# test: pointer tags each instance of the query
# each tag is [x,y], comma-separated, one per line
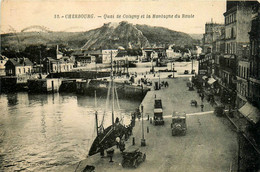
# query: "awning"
[211,81]
[204,77]
[229,56]
[250,112]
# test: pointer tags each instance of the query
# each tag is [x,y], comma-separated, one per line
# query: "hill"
[110,35]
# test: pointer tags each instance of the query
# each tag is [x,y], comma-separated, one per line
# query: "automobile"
[132,157]
[158,117]
[178,125]
[186,72]
[157,103]
[193,103]
[219,110]
[89,168]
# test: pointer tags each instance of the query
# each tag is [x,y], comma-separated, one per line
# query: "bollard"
[133,140]
[148,118]
[147,129]
[102,153]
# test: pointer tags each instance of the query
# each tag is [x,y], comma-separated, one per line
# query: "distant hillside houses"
[172,53]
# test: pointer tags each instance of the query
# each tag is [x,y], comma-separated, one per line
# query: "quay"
[209,144]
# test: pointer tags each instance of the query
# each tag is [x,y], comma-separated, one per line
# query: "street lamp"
[143,139]
[159,80]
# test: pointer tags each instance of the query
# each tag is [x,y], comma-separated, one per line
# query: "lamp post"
[172,70]
[159,80]
[143,139]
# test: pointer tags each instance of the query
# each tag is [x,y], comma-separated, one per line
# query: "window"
[19,70]
[253,48]
[28,70]
[244,75]
[232,33]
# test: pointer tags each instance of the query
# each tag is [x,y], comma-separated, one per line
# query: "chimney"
[58,54]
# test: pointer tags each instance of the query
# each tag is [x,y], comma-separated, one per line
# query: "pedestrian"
[202,96]
[117,141]
[202,106]
[102,153]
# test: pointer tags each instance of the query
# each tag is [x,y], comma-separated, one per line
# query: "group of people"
[165,84]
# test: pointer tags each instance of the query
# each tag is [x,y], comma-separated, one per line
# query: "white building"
[106,55]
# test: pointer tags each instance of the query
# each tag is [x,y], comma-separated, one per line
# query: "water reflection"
[46,131]
[12,99]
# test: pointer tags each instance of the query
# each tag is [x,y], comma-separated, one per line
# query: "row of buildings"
[231,53]
[231,61]
[83,58]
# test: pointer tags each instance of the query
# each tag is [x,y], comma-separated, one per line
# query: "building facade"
[3,60]
[254,74]
[108,54]
[237,25]
[18,67]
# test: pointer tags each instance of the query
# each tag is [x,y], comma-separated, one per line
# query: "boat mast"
[96,114]
[113,91]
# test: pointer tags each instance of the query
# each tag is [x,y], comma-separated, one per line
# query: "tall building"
[254,76]
[237,25]
[212,33]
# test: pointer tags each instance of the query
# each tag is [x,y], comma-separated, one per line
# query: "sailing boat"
[106,137]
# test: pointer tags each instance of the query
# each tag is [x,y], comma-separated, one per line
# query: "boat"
[108,137]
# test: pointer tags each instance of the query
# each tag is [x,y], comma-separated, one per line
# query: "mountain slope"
[113,35]
[160,35]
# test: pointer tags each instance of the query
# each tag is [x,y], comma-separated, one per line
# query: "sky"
[19,14]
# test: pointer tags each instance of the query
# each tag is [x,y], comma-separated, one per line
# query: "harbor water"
[40,132]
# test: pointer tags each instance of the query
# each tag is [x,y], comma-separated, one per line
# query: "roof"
[211,81]
[63,59]
[20,62]
[179,115]
[158,110]
[250,112]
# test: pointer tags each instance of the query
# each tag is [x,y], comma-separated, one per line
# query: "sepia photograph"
[133,85]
